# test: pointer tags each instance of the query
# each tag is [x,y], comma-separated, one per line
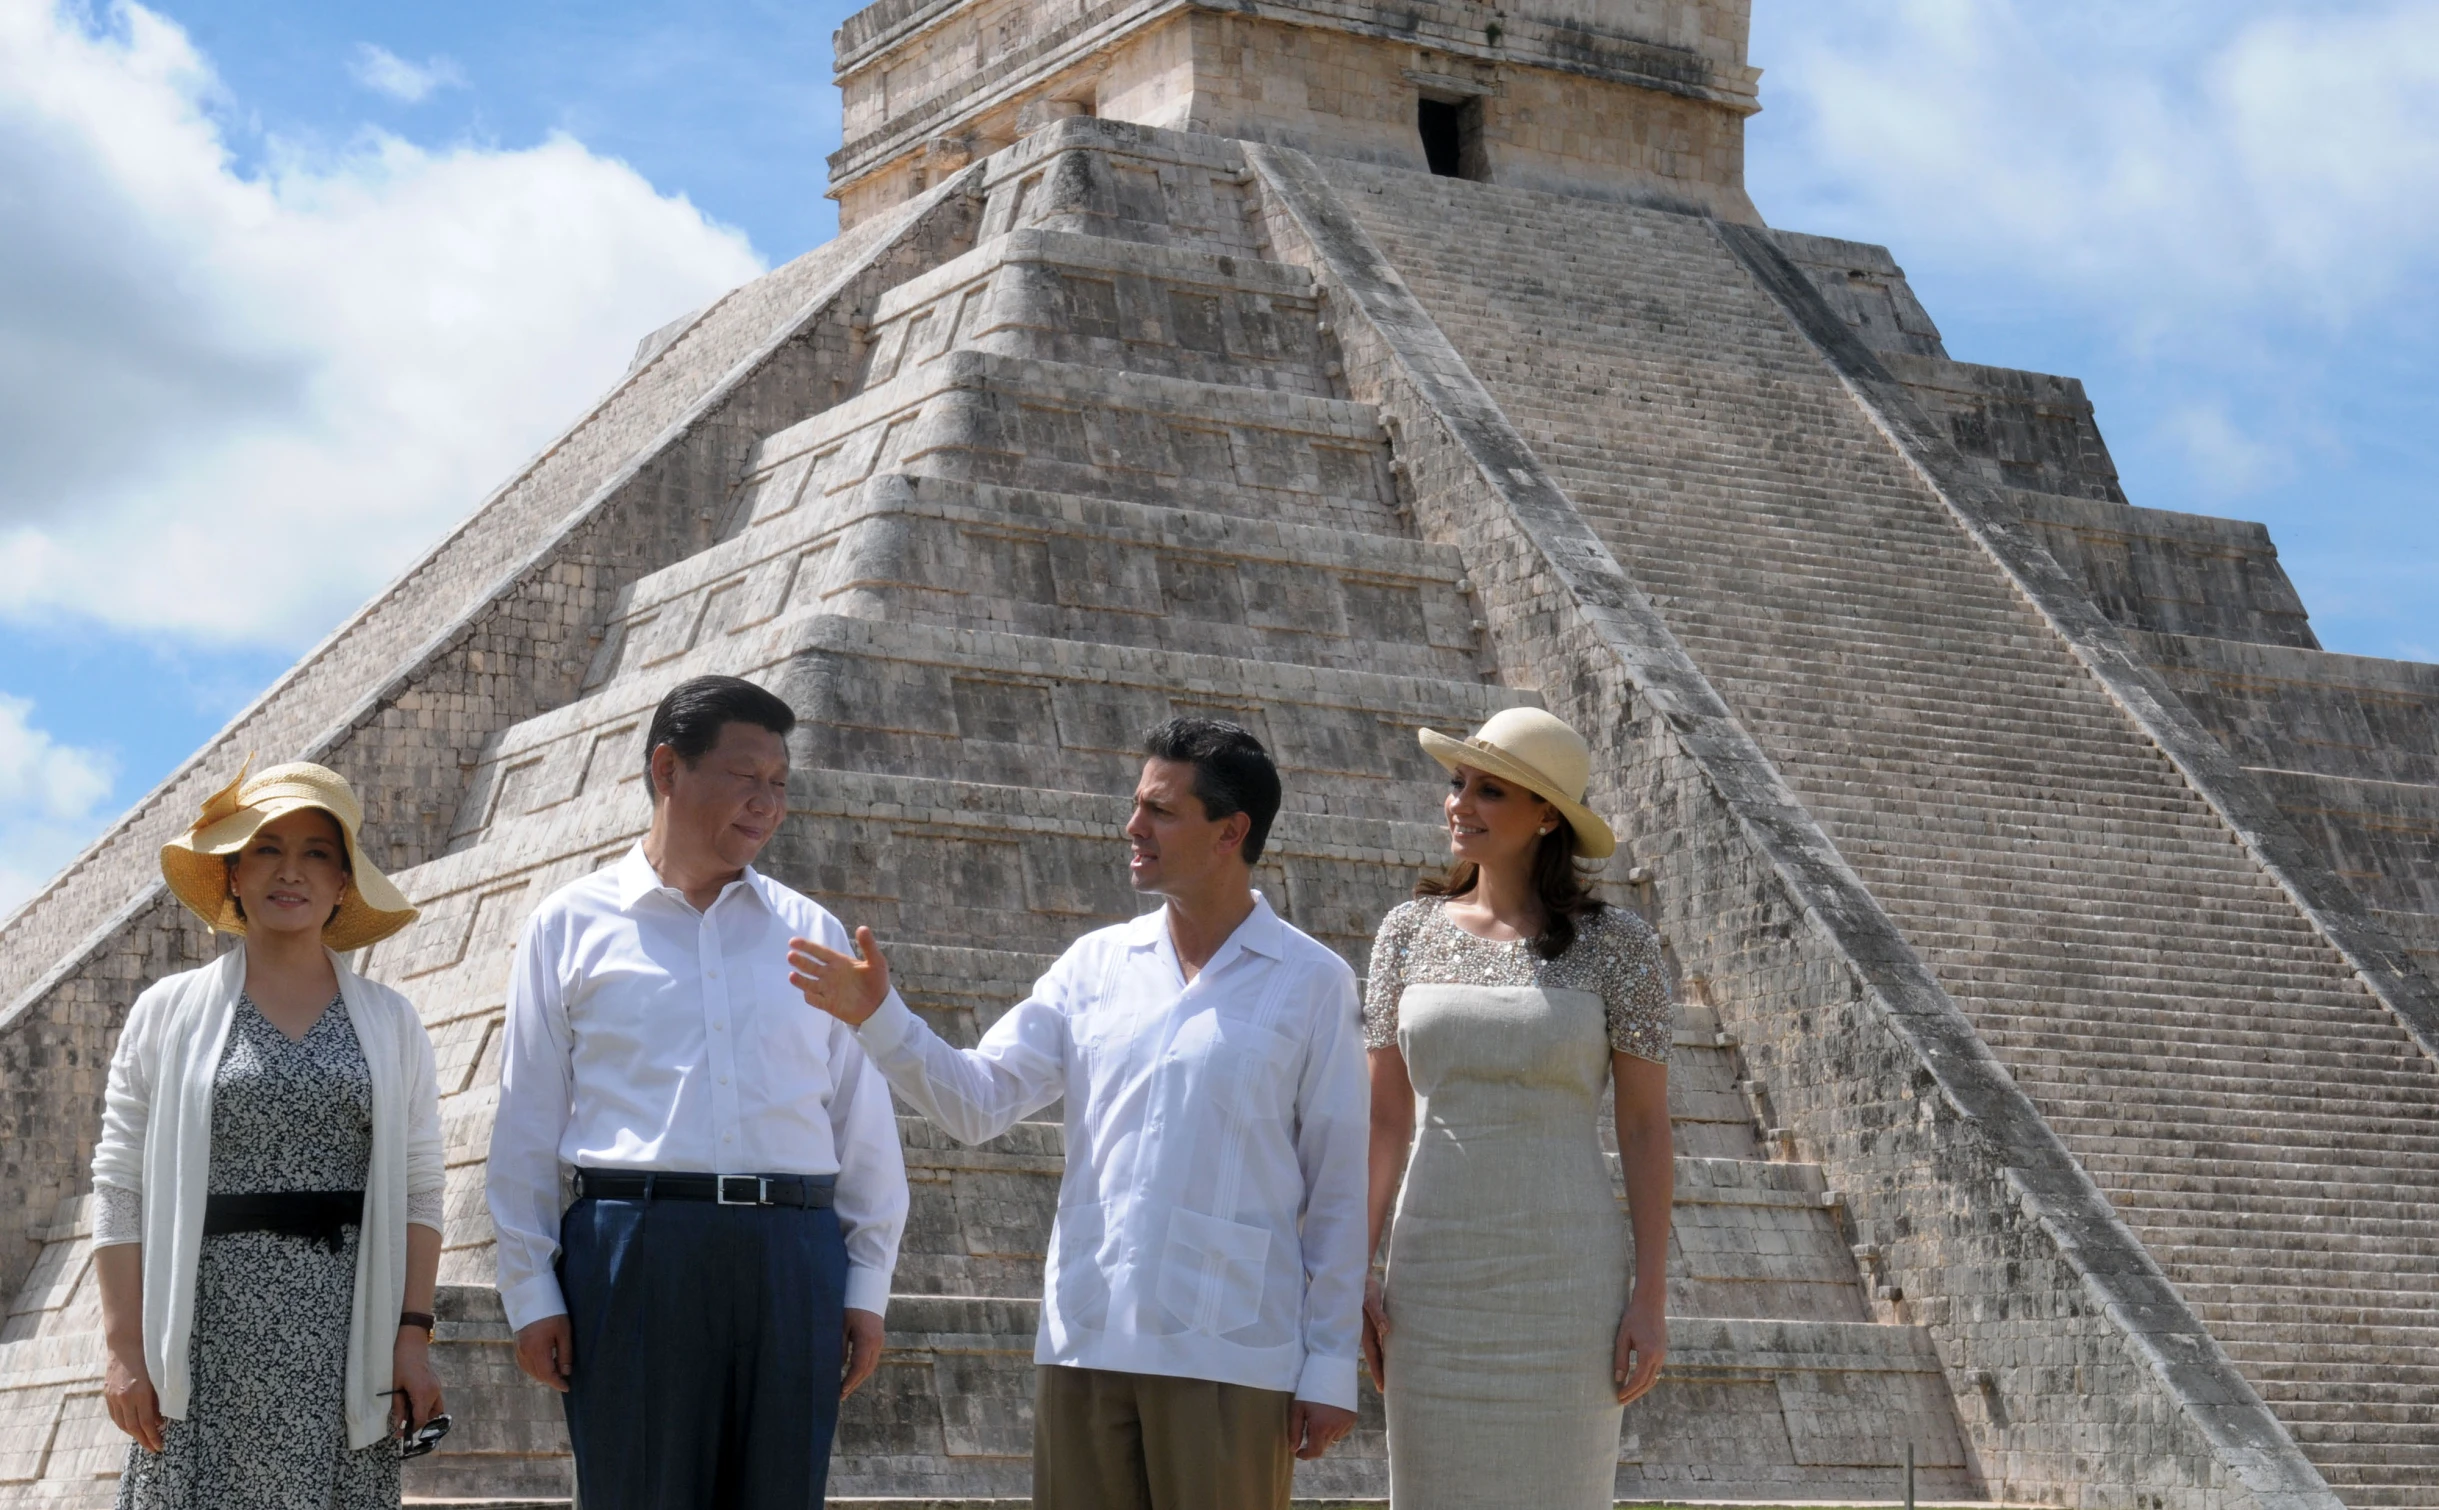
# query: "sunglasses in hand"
[415,1443]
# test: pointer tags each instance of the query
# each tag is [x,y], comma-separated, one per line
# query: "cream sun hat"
[1538,751]
[196,862]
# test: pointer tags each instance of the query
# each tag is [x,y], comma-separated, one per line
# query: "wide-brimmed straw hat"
[196,866]
[1537,751]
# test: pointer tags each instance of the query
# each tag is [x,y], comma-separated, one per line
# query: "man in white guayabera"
[1202,1305]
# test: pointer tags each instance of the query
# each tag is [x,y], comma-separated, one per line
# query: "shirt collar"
[1263,932]
[636,880]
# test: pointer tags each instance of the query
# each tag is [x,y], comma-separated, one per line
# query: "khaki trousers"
[1103,1440]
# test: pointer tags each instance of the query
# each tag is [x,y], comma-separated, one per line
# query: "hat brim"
[1594,839]
[195,864]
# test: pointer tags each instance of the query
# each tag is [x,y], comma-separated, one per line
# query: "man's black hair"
[1232,772]
[690,718]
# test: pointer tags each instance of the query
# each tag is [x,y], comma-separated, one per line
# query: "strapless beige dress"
[1508,1257]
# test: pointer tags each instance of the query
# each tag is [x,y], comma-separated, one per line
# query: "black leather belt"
[317,1214]
[802,1190]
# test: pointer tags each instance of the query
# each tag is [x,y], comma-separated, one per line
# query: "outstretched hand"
[847,987]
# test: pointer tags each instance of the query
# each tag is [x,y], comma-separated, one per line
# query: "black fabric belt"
[317,1214]
[803,1190]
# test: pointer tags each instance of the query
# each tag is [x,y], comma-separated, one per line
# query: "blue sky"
[290,287]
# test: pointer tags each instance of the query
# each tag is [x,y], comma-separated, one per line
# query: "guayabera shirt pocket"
[1211,1272]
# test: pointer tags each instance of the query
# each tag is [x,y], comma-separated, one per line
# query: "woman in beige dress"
[1516,1321]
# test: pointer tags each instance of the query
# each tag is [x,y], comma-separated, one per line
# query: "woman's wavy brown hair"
[1561,883]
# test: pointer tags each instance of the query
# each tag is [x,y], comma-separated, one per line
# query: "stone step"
[1108,178]
[2216,1270]
[2410,1331]
[2266,1002]
[2192,1048]
[2228,1180]
[2377,1456]
[2195,1075]
[2320,1399]
[1945,789]
[2087,868]
[2348,1186]
[1971,852]
[2169,1107]
[2282,1026]
[2347,1256]
[1102,301]
[2411,1196]
[2003,843]
[1061,427]
[1929,701]
[2061,974]
[2299,1235]
[2284,1031]
[972,556]
[2285,1139]
[2322,1415]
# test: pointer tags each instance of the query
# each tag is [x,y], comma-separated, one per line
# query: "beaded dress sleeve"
[1387,978]
[1632,978]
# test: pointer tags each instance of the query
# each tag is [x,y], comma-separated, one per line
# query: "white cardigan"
[157,1145]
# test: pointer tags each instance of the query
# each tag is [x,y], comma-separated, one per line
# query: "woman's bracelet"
[421,1319]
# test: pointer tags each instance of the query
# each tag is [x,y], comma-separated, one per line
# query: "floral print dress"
[266,1422]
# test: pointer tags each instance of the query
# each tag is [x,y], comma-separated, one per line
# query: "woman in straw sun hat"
[268,1181]
[1515,1322]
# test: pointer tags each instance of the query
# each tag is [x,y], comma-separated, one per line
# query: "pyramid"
[2054,922]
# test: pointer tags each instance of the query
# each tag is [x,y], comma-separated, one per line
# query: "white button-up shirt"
[645,1035]
[1211,1218]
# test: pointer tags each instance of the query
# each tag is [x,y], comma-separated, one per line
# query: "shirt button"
[717,1024]
[728,1137]
[724,1080]
[714,974]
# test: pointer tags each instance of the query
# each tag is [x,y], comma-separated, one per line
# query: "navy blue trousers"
[708,1353]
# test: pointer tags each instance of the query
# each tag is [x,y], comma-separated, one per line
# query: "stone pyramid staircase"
[1100,468]
[2261,1121]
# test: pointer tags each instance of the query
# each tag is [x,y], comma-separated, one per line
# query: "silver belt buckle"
[759,1185]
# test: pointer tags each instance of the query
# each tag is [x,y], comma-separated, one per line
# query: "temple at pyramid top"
[1634,100]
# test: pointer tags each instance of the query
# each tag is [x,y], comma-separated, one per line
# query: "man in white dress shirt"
[717,1287]
[1201,1306]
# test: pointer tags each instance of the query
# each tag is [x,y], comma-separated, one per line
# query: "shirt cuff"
[888,1026]
[536,1299]
[1328,1381]
[868,1290]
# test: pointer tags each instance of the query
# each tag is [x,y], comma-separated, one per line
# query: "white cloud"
[2161,158]
[48,793]
[232,406]
[384,72]
[2230,461]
